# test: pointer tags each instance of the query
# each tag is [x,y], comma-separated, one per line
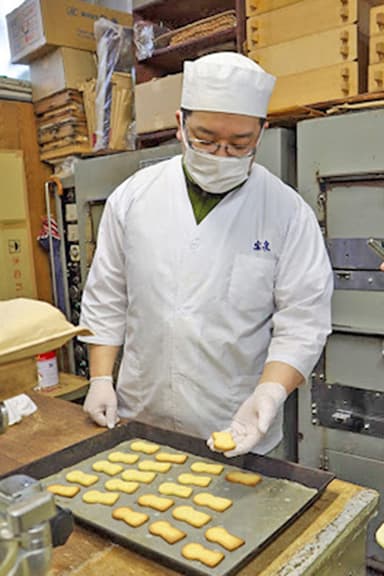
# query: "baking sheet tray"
[257,515]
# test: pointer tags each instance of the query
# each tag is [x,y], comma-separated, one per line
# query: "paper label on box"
[17,278]
[37,26]
[25,27]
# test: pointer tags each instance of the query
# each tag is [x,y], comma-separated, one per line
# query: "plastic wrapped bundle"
[114,104]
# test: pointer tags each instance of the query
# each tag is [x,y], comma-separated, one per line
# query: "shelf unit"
[169,60]
[174,15]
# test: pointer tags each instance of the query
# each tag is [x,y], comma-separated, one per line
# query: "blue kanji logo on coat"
[262,245]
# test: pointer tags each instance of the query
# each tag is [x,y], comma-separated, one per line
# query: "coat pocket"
[251,284]
[129,381]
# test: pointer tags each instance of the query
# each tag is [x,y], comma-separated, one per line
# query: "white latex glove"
[101,401]
[254,417]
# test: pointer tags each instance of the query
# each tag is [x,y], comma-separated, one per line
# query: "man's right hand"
[101,401]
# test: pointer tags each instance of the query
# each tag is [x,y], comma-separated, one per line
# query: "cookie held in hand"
[223,441]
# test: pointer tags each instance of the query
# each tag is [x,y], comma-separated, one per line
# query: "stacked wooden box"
[376,50]
[318,49]
[62,125]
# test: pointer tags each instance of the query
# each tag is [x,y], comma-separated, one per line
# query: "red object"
[46,356]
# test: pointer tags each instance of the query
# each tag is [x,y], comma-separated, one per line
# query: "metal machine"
[341,414]
[25,534]
[86,188]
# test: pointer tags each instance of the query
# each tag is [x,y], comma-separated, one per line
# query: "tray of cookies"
[169,497]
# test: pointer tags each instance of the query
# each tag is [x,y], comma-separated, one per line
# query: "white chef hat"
[226,82]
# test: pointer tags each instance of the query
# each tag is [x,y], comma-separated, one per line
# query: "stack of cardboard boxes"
[318,49]
[57,40]
[376,50]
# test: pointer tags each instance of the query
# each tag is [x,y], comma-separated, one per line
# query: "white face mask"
[216,174]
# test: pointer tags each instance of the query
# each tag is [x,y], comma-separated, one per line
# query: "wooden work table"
[327,540]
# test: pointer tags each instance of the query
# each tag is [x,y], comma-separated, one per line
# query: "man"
[211,273]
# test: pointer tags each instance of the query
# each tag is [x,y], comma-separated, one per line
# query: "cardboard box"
[123,5]
[61,69]
[156,103]
[38,26]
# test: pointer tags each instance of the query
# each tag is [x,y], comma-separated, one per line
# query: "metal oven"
[341,174]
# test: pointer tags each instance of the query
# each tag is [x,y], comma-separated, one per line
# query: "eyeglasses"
[211,147]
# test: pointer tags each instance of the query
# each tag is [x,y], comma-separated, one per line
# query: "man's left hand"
[254,417]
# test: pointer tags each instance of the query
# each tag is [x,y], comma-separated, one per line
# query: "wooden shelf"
[171,58]
[290,116]
[176,14]
[71,387]
[150,139]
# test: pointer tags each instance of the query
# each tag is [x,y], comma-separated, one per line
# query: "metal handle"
[377,246]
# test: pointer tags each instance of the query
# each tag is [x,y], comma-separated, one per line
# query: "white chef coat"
[200,308]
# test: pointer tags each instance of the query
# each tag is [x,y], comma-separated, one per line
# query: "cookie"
[123,457]
[223,441]
[173,489]
[151,466]
[166,531]
[380,536]
[171,457]
[117,485]
[194,479]
[145,447]
[107,467]
[206,468]
[97,497]
[63,490]
[221,536]
[82,478]
[155,502]
[245,478]
[129,516]
[138,476]
[214,502]
[194,551]
[191,516]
